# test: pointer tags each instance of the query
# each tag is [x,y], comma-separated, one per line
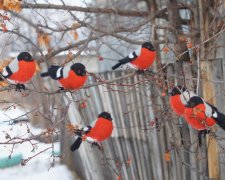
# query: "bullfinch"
[202,115]
[101,131]
[140,59]
[70,77]
[20,70]
[179,96]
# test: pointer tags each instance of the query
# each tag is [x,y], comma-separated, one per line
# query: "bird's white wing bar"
[131,55]
[135,53]
[14,66]
[11,68]
[5,73]
[58,73]
[66,71]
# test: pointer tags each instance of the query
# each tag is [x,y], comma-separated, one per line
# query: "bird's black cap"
[25,56]
[148,45]
[177,90]
[105,115]
[194,101]
[79,69]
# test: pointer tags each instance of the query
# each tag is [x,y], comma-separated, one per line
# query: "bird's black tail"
[220,120]
[76,144]
[121,62]
[45,74]
[117,65]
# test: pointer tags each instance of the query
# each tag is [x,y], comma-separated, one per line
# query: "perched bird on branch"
[101,131]
[20,70]
[70,77]
[140,59]
[179,97]
[202,115]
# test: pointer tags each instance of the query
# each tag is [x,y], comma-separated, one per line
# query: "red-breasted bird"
[139,59]
[179,97]
[70,77]
[101,131]
[202,115]
[20,70]
[199,114]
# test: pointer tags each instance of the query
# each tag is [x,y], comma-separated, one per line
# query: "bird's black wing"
[218,117]
[79,133]
[55,72]
[10,69]
[125,60]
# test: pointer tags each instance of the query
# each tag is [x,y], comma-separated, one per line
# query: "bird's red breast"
[25,72]
[197,119]
[102,129]
[73,81]
[176,104]
[145,59]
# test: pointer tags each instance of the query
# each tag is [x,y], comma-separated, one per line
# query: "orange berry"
[165,49]
[189,45]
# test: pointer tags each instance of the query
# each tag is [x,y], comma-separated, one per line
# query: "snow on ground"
[38,167]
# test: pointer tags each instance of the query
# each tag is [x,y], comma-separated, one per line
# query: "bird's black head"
[79,69]
[177,90]
[194,101]
[25,56]
[105,115]
[148,45]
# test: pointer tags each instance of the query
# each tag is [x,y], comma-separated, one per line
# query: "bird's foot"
[202,133]
[20,87]
[97,145]
[140,71]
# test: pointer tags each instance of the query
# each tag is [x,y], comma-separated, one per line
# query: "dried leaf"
[43,39]
[38,69]
[69,56]
[4,63]
[3,84]
[76,35]
[4,28]
[14,5]
[1,5]
[71,128]
[75,25]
